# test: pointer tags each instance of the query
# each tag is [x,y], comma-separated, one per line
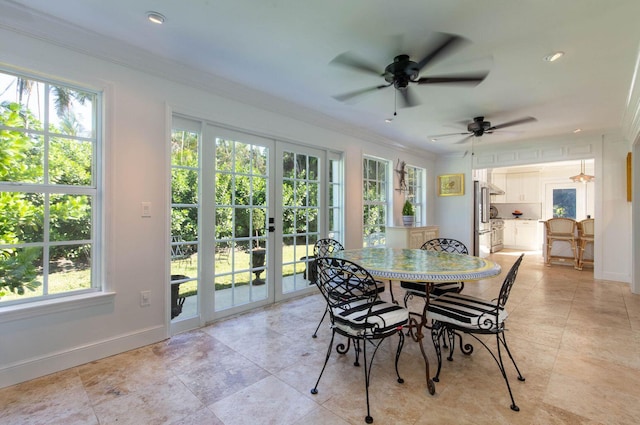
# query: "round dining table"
[419,265]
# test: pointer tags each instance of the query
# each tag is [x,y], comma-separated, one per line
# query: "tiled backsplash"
[529,211]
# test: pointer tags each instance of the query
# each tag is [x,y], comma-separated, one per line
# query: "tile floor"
[576,340]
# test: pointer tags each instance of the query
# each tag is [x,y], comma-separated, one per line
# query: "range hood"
[495,190]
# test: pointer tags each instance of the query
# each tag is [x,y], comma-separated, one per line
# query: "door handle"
[271,228]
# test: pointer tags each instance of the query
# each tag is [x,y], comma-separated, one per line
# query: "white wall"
[454,214]
[43,340]
[612,248]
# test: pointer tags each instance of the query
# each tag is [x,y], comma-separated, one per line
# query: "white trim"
[36,367]
[54,305]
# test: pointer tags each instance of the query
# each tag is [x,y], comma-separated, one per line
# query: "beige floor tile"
[269,401]
[170,402]
[575,340]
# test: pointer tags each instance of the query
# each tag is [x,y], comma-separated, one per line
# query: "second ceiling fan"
[403,71]
[479,127]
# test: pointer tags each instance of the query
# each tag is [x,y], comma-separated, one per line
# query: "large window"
[416,192]
[49,182]
[375,188]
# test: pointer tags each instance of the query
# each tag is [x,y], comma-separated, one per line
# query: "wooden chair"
[562,230]
[585,232]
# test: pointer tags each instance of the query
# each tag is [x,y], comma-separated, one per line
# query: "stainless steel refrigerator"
[482,221]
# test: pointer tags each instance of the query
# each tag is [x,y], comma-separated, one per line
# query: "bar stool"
[562,230]
[586,231]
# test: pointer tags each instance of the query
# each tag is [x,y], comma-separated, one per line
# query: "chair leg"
[393,298]
[398,351]
[367,371]
[502,341]
[436,334]
[314,390]
[315,334]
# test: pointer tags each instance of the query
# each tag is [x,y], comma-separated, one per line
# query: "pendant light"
[582,177]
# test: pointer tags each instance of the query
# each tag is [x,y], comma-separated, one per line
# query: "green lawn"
[71,280]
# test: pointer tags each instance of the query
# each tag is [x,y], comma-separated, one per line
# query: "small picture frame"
[451,185]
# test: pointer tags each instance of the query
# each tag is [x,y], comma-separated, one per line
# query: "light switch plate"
[146,209]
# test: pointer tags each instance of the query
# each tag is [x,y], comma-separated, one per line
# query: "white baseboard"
[54,362]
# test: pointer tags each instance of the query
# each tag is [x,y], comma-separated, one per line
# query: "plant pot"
[407,220]
[257,260]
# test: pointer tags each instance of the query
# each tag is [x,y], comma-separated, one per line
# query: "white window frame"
[46,303]
[383,185]
[416,192]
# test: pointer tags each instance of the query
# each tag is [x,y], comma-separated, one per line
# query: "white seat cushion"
[352,317]
[466,311]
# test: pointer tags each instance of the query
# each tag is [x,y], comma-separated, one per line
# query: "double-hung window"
[49,186]
[375,200]
[415,194]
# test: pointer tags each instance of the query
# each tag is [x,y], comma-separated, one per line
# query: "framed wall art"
[451,185]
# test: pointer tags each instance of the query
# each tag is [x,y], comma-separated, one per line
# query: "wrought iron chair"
[564,230]
[453,314]
[322,248]
[325,248]
[586,234]
[357,312]
[420,288]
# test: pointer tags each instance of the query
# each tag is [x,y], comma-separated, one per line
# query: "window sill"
[58,305]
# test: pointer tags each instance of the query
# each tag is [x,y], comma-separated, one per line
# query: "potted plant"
[408,213]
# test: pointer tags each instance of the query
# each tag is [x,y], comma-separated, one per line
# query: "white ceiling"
[283,48]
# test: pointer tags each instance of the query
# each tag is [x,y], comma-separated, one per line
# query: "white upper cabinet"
[522,187]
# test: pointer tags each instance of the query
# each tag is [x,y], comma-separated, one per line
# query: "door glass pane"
[564,203]
[185,174]
[241,257]
[300,200]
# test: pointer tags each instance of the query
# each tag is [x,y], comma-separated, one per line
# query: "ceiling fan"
[479,126]
[403,71]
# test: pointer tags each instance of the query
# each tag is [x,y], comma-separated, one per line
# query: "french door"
[255,209]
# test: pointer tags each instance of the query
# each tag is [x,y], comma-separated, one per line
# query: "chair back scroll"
[446,245]
[346,286]
[326,246]
[505,290]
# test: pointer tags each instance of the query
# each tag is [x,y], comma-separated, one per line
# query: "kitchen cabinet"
[522,187]
[521,234]
[509,234]
[410,237]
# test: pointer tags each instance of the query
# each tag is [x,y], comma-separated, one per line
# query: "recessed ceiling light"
[388,120]
[156,18]
[554,56]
